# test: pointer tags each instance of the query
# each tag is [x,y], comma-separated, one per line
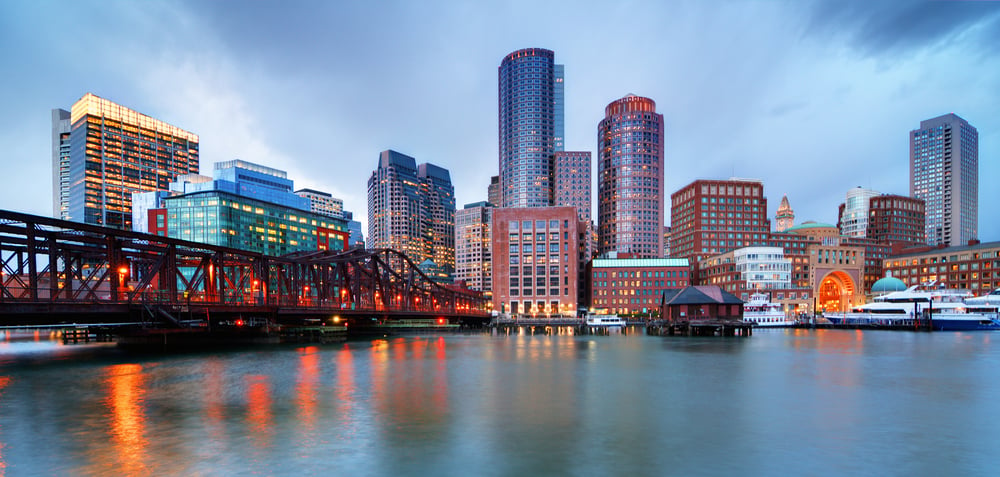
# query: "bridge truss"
[51,267]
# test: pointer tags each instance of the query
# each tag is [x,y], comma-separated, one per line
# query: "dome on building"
[887,285]
[810,225]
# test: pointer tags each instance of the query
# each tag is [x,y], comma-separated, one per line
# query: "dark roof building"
[700,303]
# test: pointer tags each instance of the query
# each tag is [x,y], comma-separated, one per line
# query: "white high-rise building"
[853,220]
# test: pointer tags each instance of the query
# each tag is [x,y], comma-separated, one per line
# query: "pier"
[700,328]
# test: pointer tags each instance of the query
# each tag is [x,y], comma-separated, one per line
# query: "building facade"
[412,209]
[633,286]
[709,217]
[974,267]
[529,114]
[897,220]
[537,256]
[438,196]
[748,270]
[323,203]
[493,192]
[474,246]
[572,182]
[852,216]
[222,218]
[61,128]
[835,266]
[944,173]
[395,206]
[243,205]
[113,153]
[357,236]
[630,178]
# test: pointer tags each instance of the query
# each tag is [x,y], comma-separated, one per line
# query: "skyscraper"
[572,181]
[113,152]
[852,218]
[944,172]
[412,209]
[438,196]
[630,178]
[530,118]
[474,245]
[60,163]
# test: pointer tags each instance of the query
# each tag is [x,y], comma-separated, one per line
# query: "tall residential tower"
[113,152]
[630,178]
[944,172]
[412,209]
[530,124]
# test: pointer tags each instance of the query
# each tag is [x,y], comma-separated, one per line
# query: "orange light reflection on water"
[215,416]
[305,387]
[126,386]
[259,416]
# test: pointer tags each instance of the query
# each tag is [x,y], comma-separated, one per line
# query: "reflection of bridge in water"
[55,272]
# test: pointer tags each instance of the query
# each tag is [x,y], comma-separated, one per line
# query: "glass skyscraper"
[630,179]
[530,123]
[944,172]
[113,152]
[412,209]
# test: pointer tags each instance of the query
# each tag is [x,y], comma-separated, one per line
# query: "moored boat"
[605,321]
[760,311]
[921,306]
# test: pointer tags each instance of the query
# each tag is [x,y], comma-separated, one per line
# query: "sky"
[811,97]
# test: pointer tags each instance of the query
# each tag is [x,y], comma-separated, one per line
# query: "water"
[783,402]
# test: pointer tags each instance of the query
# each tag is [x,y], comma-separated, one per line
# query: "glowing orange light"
[123,270]
[239,322]
[440,321]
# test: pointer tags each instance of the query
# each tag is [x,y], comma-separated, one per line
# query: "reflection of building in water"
[126,394]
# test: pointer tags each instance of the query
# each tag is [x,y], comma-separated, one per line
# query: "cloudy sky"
[813,98]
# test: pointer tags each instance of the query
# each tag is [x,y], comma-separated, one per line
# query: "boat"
[760,311]
[606,321]
[989,303]
[941,309]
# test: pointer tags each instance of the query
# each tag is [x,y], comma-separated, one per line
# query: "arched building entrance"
[836,292]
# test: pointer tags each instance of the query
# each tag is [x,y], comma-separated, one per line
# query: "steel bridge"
[58,272]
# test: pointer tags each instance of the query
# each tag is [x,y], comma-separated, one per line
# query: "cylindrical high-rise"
[630,178]
[529,112]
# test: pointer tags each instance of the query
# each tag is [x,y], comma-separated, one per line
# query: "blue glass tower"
[530,126]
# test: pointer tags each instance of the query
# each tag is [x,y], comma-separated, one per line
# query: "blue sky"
[813,98]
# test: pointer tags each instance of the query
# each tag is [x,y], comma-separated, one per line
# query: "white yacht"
[945,308]
[760,311]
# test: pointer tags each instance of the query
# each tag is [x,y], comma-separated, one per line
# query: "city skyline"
[807,72]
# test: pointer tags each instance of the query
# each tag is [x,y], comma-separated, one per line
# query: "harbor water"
[782,402]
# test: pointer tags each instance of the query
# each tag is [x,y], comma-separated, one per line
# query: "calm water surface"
[783,402]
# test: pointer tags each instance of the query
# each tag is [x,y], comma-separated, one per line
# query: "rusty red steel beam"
[50,260]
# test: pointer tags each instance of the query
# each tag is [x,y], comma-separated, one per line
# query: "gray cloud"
[893,27]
